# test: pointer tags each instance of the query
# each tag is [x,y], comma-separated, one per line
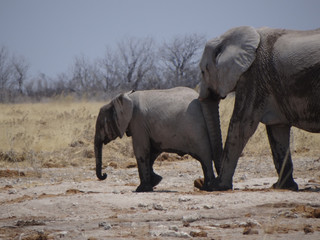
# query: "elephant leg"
[141,148]
[145,175]
[238,137]
[207,168]
[279,139]
[155,178]
[243,124]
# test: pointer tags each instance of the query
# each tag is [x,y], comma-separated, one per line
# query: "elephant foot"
[212,186]
[155,179]
[288,185]
[144,188]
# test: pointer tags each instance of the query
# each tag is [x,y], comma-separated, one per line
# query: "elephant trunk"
[210,108]
[98,154]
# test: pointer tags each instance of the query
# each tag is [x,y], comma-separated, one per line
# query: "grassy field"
[60,134]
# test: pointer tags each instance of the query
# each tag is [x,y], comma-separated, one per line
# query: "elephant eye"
[207,67]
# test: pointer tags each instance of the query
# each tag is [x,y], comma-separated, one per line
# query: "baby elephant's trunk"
[98,154]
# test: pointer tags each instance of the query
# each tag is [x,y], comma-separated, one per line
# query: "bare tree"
[85,75]
[130,66]
[20,69]
[180,59]
[136,60]
[111,73]
[5,73]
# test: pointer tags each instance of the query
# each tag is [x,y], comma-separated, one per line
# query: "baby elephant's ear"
[123,112]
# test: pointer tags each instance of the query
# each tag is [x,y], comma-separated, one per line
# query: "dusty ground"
[70,203]
[48,187]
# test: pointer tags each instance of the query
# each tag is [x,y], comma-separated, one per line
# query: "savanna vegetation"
[60,134]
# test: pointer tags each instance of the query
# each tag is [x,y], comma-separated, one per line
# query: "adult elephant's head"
[225,59]
[112,122]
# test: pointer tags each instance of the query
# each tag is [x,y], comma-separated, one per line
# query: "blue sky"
[49,34]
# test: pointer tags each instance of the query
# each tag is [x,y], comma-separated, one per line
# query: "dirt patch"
[307,211]
[56,206]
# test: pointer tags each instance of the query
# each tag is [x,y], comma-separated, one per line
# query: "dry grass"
[56,134]
[60,134]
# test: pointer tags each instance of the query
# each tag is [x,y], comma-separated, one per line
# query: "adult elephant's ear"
[123,112]
[234,55]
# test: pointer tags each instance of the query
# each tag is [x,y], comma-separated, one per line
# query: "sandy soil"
[70,203]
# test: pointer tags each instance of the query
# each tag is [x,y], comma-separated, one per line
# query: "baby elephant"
[158,121]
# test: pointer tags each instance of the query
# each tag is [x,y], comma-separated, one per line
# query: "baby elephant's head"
[112,122]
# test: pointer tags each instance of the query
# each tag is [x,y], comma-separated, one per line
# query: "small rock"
[175,234]
[174,228]
[142,205]
[77,143]
[243,224]
[131,165]
[191,218]
[113,165]
[106,226]
[316,213]
[184,199]
[165,156]
[308,229]
[226,225]
[193,208]
[158,207]
[288,214]
[198,234]
[62,234]
[186,224]
[12,191]
[244,177]
[208,207]
[250,231]
[252,222]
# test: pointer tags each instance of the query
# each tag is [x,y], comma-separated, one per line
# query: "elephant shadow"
[161,191]
[310,189]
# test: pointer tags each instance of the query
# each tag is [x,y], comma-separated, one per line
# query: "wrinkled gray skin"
[161,121]
[275,74]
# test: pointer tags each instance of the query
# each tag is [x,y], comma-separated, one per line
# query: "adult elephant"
[161,121]
[275,74]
